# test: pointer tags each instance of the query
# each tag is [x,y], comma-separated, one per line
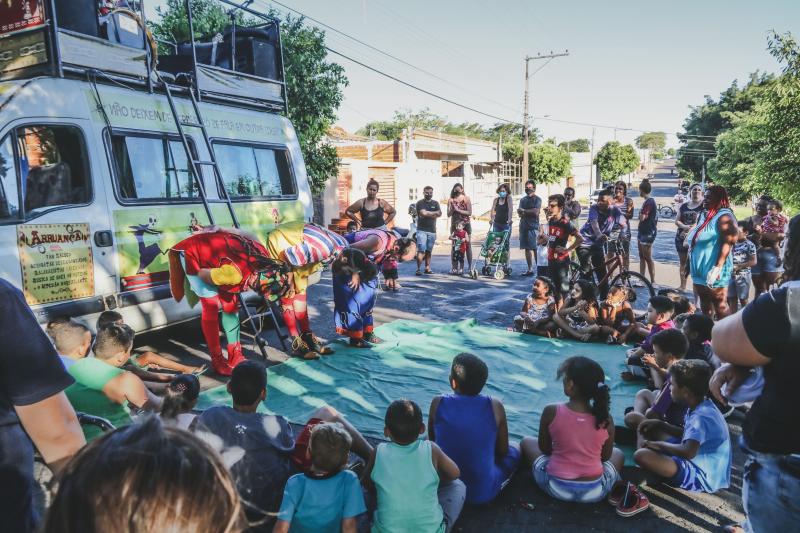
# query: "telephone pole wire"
[526,117]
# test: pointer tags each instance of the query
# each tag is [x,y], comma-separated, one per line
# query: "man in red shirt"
[559,230]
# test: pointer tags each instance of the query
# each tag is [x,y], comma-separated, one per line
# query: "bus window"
[255,171]
[9,192]
[152,168]
[53,163]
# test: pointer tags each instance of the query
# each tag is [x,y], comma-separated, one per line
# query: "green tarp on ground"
[414,362]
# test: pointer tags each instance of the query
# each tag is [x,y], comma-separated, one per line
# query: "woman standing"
[625,205]
[355,286]
[710,244]
[459,209]
[502,209]
[687,216]
[647,231]
[371,212]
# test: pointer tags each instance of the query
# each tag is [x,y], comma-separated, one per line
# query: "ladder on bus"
[266,309]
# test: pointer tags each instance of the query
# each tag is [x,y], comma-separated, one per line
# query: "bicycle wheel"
[639,290]
[666,211]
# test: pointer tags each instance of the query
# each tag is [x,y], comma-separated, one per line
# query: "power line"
[387,54]
[429,93]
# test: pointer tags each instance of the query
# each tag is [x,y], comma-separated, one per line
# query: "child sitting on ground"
[701,461]
[180,397]
[536,316]
[577,317]
[141,363]
[573,457]
[681,302]
[459,250]
[774,222]
[659,318]
[670,346]
[328,497]
[697,329]
[617,320]
[472,429]
[417,484]
[352,226]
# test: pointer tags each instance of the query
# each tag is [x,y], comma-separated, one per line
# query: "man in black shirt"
[528,211]
[428,210]
[33,409]
[766,333]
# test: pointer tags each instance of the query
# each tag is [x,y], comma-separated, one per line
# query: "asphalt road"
[442,297]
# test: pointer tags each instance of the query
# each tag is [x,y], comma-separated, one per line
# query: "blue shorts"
[739,286]
[766,261]
[568,490]
[689,476]
[647,237]
[527,236]
[425,241]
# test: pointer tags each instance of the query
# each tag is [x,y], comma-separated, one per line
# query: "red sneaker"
[633,503]
[220,365]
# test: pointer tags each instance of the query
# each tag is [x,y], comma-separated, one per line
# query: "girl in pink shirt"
[574,458]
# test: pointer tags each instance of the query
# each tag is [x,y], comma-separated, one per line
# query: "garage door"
[385,178]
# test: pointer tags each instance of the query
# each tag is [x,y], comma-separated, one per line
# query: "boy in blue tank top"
[472,429]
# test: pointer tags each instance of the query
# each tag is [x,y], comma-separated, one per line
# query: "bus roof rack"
[242,66]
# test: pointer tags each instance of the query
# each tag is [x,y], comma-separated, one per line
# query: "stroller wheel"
[508,271]
[499,275]
[485,271]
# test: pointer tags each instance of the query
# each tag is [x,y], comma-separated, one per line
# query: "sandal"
[428,271]
[359,343]
[371,338]
[617,493]
[418,273]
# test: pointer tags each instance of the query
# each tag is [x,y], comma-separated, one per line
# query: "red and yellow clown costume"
[215,265]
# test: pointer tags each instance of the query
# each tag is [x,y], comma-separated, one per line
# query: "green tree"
[613,160]
[313,83]
[575,145]
[654,141]
[671,152]
[548,164]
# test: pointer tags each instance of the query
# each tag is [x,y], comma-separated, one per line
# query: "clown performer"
[355,292]
[214,265]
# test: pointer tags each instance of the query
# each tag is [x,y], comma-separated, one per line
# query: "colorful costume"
[238,262]
[353,308]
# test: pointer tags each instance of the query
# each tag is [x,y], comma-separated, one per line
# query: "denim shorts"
[425,241]
[739,286]
[767,261]
[771,491]
[574,491]
[527,236]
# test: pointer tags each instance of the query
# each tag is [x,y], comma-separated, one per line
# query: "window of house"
[49,169]
[152,168]
[252,171]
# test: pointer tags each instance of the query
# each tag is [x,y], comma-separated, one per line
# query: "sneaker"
[302,350]
[372,338]
[312,341]
[617,493]
[633,503]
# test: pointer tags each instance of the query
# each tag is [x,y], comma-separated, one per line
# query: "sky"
[631,64]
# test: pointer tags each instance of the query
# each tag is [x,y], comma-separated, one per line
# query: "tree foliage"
[760,153]
[670,152]
[655,141]
[548,164]
[614,159]
[510,135]
[575,145]
[313,83]
[706,121]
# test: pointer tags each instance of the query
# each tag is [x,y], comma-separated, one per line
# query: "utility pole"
[591,165]
[525,116]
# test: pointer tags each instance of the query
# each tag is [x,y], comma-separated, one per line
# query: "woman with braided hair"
[710,244]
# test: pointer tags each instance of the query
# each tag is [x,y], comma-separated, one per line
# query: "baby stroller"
[495,251]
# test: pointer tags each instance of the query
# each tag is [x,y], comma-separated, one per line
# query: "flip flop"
[428,271]
[418,273]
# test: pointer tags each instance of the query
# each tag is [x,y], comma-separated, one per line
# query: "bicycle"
[639,290]
[666,210]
